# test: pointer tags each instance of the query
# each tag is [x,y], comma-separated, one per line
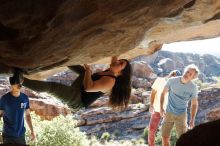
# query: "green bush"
[138,142]
[105,136]
[60,131]
[145,134]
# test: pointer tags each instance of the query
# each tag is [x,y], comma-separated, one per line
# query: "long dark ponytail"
[121,91]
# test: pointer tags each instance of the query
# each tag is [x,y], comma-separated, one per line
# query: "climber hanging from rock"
[115,82]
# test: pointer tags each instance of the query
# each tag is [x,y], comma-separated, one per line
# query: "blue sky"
[208,46]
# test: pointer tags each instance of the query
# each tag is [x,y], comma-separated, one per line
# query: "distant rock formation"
[163,62]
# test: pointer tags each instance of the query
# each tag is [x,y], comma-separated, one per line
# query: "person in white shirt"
[154,108]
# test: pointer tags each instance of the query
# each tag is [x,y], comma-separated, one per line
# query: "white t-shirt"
[158,85]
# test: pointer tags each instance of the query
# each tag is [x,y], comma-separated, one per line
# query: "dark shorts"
[14,140]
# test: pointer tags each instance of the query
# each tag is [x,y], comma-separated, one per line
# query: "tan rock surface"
[46,110]
[41,36]
[213,114]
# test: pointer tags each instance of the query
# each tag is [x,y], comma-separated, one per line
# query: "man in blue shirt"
[181,91]
[13,106]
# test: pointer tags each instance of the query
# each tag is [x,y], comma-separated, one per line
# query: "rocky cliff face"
[209,103]
[41,35]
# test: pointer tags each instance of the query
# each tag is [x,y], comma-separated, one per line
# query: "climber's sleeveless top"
[89,97]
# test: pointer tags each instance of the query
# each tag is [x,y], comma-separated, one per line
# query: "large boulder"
[142,69]
[140,83]
[47,110]
[167,64]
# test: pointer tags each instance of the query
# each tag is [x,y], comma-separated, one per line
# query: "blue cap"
[178,73]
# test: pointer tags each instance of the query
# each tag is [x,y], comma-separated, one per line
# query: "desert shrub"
[145,133]
[60,131]
[105,136]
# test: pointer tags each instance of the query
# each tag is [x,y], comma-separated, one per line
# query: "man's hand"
[151,109]
[194,106]
[191,123]
[87,67]
[162,112]
[33,136]
[29,122]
